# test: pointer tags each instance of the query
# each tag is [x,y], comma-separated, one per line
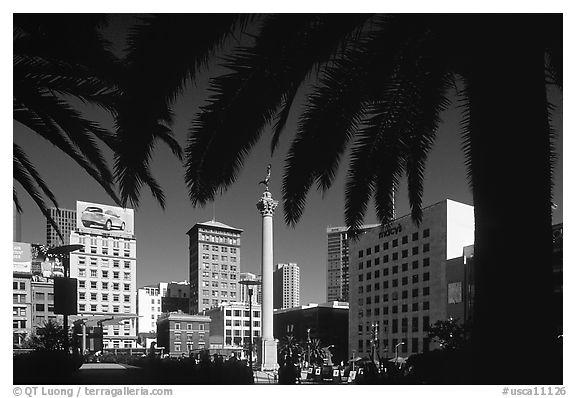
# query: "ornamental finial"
[266,180]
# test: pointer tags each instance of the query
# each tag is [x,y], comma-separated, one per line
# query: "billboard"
[45,267]
[22,257]
[99,219]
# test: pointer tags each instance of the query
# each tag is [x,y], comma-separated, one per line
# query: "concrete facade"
[214,258]
[398,278]
[286,286]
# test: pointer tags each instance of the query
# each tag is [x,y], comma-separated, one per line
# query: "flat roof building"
[398,278]
[183,334]
[214,258]
[286,279]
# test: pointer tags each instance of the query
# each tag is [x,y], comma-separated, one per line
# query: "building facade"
[398,284]
[148,307]
[42,293]
[327,322]
[230,328]
[105,268]
[337,274]
[66,221]
[286,279]
[256,289]
[214,258]
[21,292]
[183,334]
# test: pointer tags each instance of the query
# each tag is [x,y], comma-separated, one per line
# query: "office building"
[230,328]
[181,334]
[256,289]
[327,322]
[337,275]
[177,297]
[105,268]
[398,283]
[21,292]
[42,294]
[66,221]
[214,260]
[286,279]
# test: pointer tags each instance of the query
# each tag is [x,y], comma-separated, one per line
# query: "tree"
[49,337]
[383,84]
[450,334]
[60,59]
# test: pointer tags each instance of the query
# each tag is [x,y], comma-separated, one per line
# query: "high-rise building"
[286,286]
[106,270]
[66,221]
[398,280]
[214,265]
[337,275]
[256,289]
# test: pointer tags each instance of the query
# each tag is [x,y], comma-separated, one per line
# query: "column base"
[268,355]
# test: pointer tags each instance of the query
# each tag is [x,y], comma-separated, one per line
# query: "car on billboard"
[107,219]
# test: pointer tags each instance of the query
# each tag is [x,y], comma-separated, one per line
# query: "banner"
[98,218]
[22,258]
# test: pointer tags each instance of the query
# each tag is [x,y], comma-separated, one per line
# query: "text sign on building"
[22,257]
[98,218]
[45,267]
[455,293]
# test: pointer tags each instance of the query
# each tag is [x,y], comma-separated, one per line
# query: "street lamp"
[308,342]
[396,351]
[249,283]
[64,253]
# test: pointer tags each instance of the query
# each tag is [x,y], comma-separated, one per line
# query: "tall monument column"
[268,350]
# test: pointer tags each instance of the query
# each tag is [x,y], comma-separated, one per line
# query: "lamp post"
[248,284]
[64,253]
[308,342]
[396,351]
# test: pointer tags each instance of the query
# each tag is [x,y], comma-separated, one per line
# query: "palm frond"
[16,200]
[247,99]
[27,181]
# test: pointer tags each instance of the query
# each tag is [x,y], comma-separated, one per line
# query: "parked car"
[108,219]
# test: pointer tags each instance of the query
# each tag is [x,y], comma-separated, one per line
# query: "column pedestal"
[267,355]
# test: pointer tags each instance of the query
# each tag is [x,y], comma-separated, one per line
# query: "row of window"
[219,239]
[190,326]
[238,323]
[104,251]
[223,285]
[256,314]
[215,293]
[44,307]
[116,344]
[93,241]
[386,245]
[103,308]
[386,271]
[104,296]
[215,257]
[386,283]
[403,348]
[385,310]
[399,325]
[395,256]
[223,249]
[217,275]
[104,274]
[103,262]
[237,332]
[221,267]
[19,285]
[189,346]
[105,285]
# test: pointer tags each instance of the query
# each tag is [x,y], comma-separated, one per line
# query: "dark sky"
[161,235]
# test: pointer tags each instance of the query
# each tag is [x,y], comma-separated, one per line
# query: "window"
[377,261]
[415,292]
[394,326]
[93,273]
[385,246]
[126,264]
[426,262]
[177,326]
[426,276]
[126,298]
[104,274]
[39,296]
[82,307]
[426,233]
[360,278]
[368,276]
[385,285]
[116,298]
[415,236]
[426,305]
[395,283]
[426,248]
[395,256]
[414,306]
[394,309]
[81,295]
[369,251]
[404,267]
[404,308]
[404,239]
[385,259]
[93,296]
[81,272]
[361,265]
[404,253]
[104,296]
[39,307]
[377,249]
[368,263]
[385,271]
[126,287]
[426,291]
[426,323]
[415,250]
[377,286]
[377,274]
[93,307]
[395,269]
[415,324]
[404,294]
[115,286]
[82,284]
[93,285]
[127,276]
[361,253]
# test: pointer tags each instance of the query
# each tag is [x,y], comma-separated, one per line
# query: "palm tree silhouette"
[383,83]
[58,57]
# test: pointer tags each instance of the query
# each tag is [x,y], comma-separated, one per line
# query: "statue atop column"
[266,180]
